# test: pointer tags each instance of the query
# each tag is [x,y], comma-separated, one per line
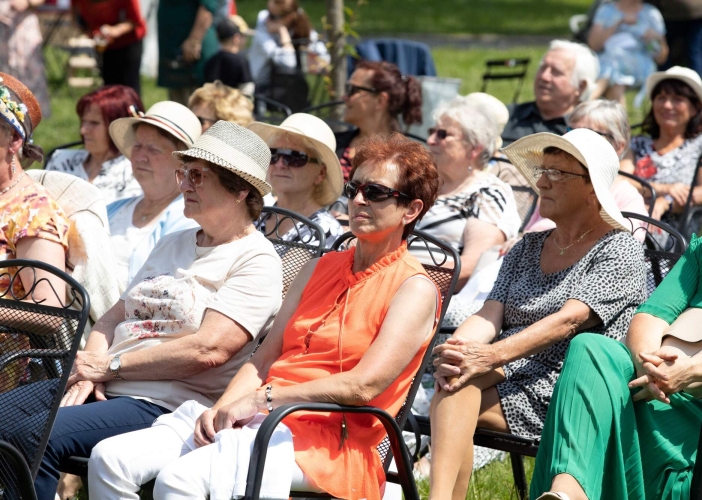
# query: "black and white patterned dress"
[609,279]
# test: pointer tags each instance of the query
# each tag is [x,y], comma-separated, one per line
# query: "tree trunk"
[335,34]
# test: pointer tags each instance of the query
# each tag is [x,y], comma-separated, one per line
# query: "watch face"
[114,364]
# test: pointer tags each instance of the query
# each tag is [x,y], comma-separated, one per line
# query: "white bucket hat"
[685,75]
[496,107]
[170,116]
[590,149]
[235,148]
[317,132]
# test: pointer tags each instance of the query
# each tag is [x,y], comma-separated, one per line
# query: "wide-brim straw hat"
[235,148]
[590,149]
[169,116]
[685,75]
[316,132]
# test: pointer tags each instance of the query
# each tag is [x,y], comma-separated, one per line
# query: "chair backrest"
[514,68]
[649,192]
[268,110]
[37,346]
[304,242]
[685,224]
[526,199]
[443,271]
[50,154]
[663,247]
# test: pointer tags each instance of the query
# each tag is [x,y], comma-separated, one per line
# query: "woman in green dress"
[624,421]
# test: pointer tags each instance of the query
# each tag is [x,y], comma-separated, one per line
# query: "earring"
[14,166]
[238,201]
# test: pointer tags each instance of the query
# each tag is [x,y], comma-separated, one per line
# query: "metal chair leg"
[519,475]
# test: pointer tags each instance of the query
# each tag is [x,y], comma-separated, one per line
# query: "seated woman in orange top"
[352,330]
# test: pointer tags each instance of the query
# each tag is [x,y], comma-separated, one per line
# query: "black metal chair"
[649,193]
[691,219]
[268,110]
[445,278]
[526,199]
[506,69]
[39,344]
[660,259]
[51,153]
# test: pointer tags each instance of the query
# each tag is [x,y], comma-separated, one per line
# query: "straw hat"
[313,130]
[170,116]
[685,75]
[590,149]
[235,148]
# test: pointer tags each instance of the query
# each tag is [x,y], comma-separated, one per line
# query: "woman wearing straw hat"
[189,319]
[305,173]
[587,274]
[138,222]
[667,154]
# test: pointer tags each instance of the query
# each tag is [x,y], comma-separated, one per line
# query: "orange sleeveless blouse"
[339,316]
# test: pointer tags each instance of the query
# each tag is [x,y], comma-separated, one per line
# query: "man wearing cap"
[564,78]
[229,65]
[499,369]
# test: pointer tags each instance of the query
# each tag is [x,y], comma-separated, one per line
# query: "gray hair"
[586,68]
[477,121]
[610,115]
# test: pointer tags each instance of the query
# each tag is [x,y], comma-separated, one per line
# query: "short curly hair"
[417,170]
[229,104]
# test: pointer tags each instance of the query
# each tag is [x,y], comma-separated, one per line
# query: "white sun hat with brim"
[590,149]
[685,75]
[169,116]
[235,148]
[316,132]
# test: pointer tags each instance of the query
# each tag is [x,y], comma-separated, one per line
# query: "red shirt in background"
[96,13]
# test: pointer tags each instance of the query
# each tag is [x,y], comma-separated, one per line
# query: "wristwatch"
[115,365]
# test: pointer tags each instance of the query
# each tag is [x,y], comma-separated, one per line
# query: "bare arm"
[478,236]
[484,325]
[192,46]
[51,253]
[599,35]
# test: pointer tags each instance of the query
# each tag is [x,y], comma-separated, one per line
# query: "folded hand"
[460,361]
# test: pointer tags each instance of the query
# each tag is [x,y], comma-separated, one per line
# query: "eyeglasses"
[441,134]
[352,89]
[194,175]
[205,121]
[606,135]
[372,191]
[555,175]
[291,158]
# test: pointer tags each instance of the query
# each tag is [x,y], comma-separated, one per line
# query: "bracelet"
[269,398]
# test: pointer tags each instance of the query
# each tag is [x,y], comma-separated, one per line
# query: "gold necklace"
[563,250]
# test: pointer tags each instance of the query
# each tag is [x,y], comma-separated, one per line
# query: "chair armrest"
[260,448]
[20,468]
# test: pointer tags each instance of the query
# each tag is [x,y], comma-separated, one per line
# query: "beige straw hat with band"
[685,75]
[590,149]
[235,148]
[169,116]
[315,131]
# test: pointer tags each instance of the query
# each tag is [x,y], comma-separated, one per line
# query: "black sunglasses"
[291,158]
[352,89]
[441,134]
[371,191]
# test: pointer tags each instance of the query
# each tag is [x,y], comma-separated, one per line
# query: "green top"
[175,20]
[681,287]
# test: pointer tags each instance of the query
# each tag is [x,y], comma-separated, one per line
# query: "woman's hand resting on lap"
[664,372]
[236,414]
[460,361]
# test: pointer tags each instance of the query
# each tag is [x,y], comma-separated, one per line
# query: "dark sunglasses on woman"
[291,158]
[352,89]
[441,134]
[372,191]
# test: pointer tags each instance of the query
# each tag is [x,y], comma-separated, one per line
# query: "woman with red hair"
[100,162]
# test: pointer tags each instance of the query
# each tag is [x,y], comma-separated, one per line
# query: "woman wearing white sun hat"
[138,222]
[499,369]
[305,173]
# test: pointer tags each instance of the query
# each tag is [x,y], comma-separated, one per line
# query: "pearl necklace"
[12,185]
[563,250]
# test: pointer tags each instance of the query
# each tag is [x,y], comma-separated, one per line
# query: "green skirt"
[615,448]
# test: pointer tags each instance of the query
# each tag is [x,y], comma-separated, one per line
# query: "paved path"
[469,41]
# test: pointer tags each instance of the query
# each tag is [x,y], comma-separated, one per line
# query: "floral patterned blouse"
[30,213]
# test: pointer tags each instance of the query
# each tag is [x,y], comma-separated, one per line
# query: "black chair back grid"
[526,199]
[37,346]
[445,277]
[649,192]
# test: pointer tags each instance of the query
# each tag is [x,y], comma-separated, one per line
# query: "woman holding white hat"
[138,222]
[305,174]
[500,367]
[186,324]
[667,155]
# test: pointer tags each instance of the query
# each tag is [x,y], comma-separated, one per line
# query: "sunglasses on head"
[441,133]
[372,191]
[194,175]
[352,89]
[291,158]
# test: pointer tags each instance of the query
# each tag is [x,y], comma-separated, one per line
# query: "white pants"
[121,464]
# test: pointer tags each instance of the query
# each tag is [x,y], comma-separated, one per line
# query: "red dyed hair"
[416,168]
[114,102]
[404,92]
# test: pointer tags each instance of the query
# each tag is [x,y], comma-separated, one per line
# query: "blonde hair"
[229,104]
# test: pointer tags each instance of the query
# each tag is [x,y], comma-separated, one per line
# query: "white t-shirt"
[170,294]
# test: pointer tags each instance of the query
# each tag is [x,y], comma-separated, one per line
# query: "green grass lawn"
[507,17]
